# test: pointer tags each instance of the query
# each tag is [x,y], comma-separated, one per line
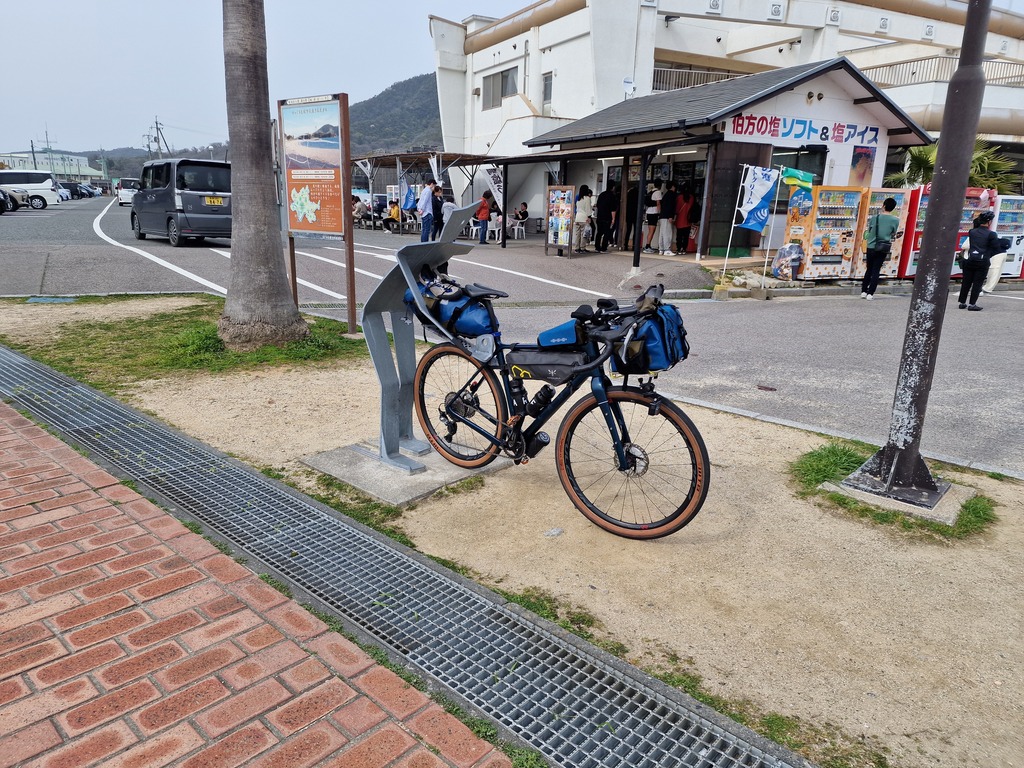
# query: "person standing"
[653,202]
[881,229]
[982,245]
[684,199]
[607,209]
[667,220]
[425,210]
[438,205]
[483,215]
[584,216]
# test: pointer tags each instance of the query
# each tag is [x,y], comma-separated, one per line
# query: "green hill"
[403,116]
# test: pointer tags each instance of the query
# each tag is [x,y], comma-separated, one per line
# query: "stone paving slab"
[126,638]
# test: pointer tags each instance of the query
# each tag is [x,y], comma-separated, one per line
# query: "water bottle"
[540,400]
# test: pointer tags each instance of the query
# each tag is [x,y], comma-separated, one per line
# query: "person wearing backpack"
[982,244]
[880,230]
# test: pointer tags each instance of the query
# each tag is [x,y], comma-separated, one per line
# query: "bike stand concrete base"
[360,466]
[946,511]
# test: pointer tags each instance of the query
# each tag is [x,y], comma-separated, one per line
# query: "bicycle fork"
[628,458]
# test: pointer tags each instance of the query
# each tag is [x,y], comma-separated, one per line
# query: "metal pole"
[504,205]
[771,227]
[732,225]
[291,269]
[898,470]
[645,163]
[346,215]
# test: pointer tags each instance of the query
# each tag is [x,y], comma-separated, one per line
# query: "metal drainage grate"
[575,705]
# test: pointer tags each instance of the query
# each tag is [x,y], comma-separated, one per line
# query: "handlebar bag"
[541,365]
[657,344]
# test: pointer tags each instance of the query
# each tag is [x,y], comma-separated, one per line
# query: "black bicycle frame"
[598,386]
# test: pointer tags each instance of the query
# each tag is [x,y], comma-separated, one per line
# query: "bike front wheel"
[454,393]
[667,471]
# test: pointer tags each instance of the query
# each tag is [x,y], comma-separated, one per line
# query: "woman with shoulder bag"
[880,231]
[982,243]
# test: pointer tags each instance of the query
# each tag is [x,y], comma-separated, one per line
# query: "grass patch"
[575,620]
[280,586]
[110,354]
[349,501]
[835,460]
[824,744]
[466,485]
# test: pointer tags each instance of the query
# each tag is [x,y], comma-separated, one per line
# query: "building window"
[498,86]
[548,80]
[811,159]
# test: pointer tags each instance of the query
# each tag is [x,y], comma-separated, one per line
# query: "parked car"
[126,189]
[89,190]
[74,189]
[63,192]
[41,185]
[17,198]
[183,199]
[5,203]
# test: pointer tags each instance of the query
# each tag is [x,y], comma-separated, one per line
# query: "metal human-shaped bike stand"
[396,385]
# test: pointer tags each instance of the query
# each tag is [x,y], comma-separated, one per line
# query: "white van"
[126,189]
[41,186]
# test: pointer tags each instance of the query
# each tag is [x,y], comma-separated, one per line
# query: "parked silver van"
[183,199]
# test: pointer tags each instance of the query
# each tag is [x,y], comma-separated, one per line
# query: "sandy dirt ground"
[913,645]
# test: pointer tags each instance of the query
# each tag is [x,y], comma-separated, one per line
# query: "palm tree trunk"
[259,308]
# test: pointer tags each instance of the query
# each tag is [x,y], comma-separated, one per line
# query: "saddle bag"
[448,305]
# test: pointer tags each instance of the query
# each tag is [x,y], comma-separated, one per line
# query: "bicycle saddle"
[475,291]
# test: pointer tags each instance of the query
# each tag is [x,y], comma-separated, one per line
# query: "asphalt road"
[829,363]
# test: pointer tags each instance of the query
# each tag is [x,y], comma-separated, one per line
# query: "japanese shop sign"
[781,129]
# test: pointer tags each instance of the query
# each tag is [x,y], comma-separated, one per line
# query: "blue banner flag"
[756,197]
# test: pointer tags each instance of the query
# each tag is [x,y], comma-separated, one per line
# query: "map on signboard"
[303,207]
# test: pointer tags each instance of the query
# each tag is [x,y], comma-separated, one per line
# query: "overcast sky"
[98,73]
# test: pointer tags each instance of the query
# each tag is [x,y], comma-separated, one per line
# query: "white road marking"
[150,256]
[339,264]
[1002,296]
[485,266]
[299,280]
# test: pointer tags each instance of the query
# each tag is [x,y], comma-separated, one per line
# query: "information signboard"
[561,203]
[314,145]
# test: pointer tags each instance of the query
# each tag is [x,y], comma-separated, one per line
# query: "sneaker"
[870,297]
[667,253]
[648,249]
[863,294]
[961,305]
[974,308]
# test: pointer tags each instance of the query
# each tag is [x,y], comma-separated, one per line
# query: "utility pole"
[160,135]
[897,470]
[32,144]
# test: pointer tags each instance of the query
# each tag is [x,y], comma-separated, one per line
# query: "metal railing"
[940,69]
[673,79]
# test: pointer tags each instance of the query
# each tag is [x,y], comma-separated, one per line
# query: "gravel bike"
[629,459]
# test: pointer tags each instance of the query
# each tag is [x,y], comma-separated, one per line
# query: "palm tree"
[259,308]
[989,169]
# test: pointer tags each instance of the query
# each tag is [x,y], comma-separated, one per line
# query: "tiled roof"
[702,105]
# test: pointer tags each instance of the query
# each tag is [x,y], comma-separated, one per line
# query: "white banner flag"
[758,184]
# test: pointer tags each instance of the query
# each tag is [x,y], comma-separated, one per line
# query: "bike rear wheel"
[667,479]
[452,388]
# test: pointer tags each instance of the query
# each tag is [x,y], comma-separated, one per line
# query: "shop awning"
[621,149]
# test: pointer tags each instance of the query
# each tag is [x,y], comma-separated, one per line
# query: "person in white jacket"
[584,216]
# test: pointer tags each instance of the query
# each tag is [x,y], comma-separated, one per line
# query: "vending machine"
[1009,223]
[825,223]
[976,200]
[875,198]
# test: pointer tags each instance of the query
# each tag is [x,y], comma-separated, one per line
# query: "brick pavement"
[127,640]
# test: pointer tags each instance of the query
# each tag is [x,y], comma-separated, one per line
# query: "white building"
[504,82]
[64,165]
